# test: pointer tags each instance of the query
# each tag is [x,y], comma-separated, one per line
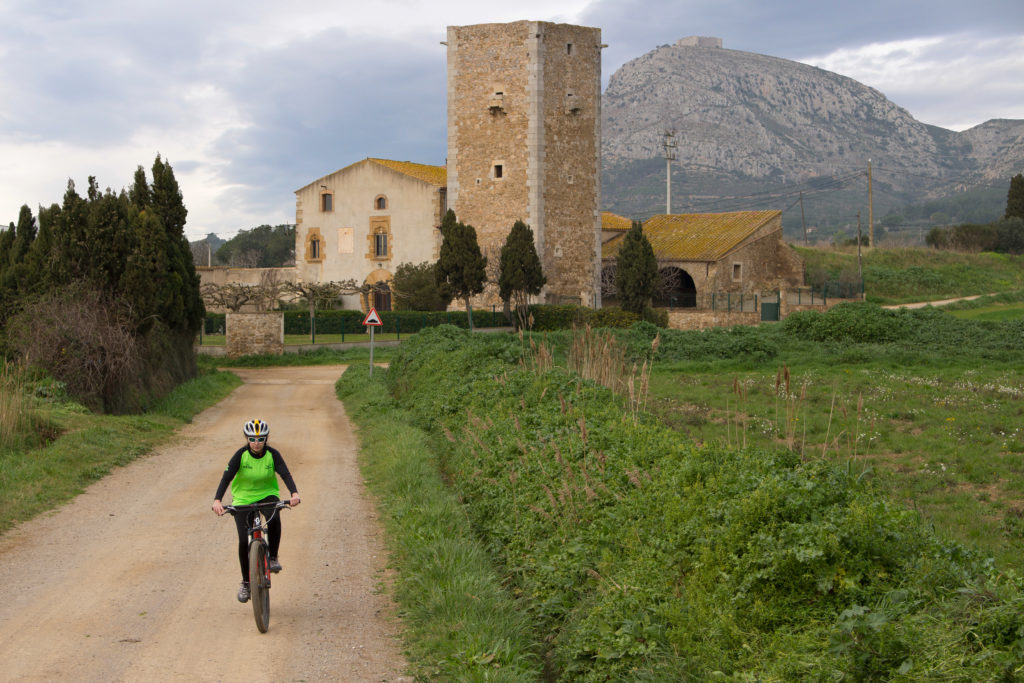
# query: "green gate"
[769,312]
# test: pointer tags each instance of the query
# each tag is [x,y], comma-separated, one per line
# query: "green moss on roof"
[696,236]
[435,175]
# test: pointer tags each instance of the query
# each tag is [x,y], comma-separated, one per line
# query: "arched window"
[380,203]
[314,246]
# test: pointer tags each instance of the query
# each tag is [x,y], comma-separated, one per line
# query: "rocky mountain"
[753,131]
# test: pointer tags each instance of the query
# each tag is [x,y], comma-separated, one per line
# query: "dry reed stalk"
[856,431]
[634,477]
[551,497]
[14,408]
[543,512]
[828,428]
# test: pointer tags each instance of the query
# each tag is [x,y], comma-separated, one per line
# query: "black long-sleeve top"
[279,467]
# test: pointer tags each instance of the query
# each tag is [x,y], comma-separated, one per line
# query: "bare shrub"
[83,338]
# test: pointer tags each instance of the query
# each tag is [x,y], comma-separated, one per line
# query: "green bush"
[921,329]
[613,316]
[404,322]
[547,317]
[740,342]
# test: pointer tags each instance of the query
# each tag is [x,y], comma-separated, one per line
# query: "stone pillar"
[254,333]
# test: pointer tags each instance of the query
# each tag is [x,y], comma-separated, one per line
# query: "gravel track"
[135,579]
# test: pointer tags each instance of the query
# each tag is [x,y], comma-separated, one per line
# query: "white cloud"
[955,82]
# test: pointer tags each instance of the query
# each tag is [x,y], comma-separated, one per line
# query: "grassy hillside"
[894,276]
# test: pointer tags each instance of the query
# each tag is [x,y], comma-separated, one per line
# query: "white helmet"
[256,428]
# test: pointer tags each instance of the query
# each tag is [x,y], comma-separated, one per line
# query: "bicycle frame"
[258,518]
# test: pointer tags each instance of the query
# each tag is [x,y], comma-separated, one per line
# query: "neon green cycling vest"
[255,479]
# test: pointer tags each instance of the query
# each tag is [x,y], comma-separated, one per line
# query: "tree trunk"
[469,313]
[312,321]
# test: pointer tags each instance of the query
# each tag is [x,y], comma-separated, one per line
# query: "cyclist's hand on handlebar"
[217,508]
[295,500]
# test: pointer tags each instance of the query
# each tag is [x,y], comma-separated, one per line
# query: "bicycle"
[259,516]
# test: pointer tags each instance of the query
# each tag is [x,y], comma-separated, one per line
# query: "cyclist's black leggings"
[273,537]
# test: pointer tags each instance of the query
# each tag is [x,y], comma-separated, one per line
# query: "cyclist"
[253,478]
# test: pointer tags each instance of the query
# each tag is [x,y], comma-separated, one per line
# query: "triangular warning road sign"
[372,318]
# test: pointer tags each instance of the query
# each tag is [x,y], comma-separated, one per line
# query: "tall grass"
[16,417]
[596,355]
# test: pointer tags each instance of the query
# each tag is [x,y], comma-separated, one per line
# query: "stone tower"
[524,141]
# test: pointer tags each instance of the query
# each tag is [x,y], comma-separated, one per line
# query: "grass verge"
[89,446]
[317,357]
[459,622]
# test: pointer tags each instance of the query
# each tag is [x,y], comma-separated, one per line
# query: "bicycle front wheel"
[259,584]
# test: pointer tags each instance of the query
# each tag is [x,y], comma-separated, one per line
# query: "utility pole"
[670,155]
[802,218]
[871,211]
[860,268]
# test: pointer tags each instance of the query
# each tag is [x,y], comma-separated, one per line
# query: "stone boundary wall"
[788,308]
[702,319]
[248,334]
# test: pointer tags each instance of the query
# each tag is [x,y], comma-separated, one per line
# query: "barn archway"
[676,289]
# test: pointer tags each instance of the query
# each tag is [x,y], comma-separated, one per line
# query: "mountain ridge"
[749,124]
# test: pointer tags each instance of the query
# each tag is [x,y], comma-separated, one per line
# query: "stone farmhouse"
[524,134]
[364,220]
[709,253]
[523,144]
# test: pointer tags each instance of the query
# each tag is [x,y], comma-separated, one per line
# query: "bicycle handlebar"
[272,505]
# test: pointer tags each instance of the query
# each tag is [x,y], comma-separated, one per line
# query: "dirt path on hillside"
[135,580]
[943,302]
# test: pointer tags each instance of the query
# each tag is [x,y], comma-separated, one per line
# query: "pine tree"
[636,271]
[1015,197]
[461,268]
[521,274]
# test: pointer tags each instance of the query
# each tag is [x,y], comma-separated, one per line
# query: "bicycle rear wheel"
[259,584]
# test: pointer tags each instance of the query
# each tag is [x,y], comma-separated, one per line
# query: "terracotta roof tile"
[696,236]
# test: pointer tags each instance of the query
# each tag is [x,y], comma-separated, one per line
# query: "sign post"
[372,321]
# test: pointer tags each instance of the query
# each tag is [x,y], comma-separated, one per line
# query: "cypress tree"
[1015,197]
[636,271]
[461,268]
[521,273]
[24,235]
[139,195]
[6,242]
[183,309]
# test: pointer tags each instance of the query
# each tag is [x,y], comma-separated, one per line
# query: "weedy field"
[946,441]
[787,502]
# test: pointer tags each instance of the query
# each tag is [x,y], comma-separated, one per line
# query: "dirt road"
[135,580]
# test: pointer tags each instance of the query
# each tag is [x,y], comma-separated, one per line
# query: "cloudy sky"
[250,101]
